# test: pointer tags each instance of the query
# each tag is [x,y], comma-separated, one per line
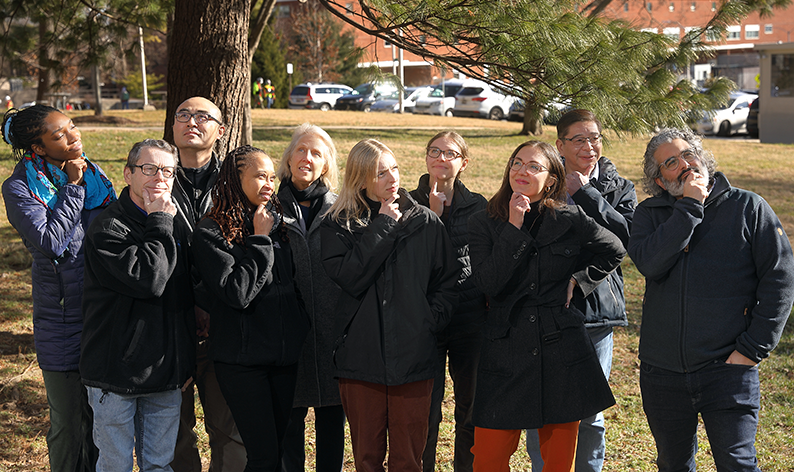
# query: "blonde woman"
[396,266]
[308,175]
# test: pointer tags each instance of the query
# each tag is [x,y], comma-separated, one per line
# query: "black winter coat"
[470,313]
[316,386]
[256,317]
[398,279]
[139,329]
[537,364]
[610,200]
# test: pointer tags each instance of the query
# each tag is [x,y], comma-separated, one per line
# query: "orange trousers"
[494,447]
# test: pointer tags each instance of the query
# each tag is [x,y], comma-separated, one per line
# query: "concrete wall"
[776,113]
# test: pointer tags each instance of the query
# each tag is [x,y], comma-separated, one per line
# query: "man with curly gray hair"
[719,287]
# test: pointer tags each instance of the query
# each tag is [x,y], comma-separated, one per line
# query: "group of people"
[203,275]
[264,93]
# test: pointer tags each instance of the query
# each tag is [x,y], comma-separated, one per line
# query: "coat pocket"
[574,344]
[562,260]
[496,356]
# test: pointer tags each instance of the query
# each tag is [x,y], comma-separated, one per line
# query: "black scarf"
[312,194]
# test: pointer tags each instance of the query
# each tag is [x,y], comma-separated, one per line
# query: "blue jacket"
[719,277]
[55,240]
[610,200]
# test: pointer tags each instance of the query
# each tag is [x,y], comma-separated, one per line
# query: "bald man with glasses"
[198,127]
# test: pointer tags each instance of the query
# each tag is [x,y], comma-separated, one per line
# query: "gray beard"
[676,187]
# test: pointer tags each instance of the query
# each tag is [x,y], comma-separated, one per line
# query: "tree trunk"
[208,57]
[533,120]
[99,110]
[44,72]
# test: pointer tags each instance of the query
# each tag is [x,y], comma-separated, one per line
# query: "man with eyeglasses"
[198,126]
[138,328]
[719,287]
[593,183]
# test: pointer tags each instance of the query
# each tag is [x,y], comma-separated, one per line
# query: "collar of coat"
[462,199]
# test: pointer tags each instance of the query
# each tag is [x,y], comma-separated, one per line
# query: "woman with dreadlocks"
[51,197]
[258,321]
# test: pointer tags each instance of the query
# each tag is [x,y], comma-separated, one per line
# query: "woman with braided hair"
[258,323]
[51,197]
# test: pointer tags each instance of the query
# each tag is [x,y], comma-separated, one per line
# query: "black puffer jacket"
[610,200]
[399,282]
[472,303]
[257,317]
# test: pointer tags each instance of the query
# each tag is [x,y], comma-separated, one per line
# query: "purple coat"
[55,239]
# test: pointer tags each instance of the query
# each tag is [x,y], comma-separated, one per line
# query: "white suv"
[732,118]
[480,100]
[322,96]
[441,101]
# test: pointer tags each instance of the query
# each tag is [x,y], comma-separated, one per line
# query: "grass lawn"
[762,168]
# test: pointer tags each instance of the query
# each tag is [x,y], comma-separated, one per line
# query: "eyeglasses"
[673,163]
[533,167]
[199,117]
[580,141]
[150,170]
[449,154]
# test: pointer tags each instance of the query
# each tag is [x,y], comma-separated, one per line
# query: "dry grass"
[762,168]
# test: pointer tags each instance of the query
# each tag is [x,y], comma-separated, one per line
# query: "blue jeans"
[726,396]
[148,422]
[591,444]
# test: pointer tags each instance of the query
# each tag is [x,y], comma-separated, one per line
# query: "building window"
[626,6]
[422,39]
[734,32]
[386,43]
[713,6]
[649,6]
[672,6]
[650,30]
[712,36]
[767,29]
[693,6]
[349,8]
[751,31]
[782,75]
[282,11]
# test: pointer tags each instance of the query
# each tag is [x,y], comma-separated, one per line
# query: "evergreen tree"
[557,51]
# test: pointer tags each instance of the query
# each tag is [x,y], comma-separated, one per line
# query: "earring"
[548,188]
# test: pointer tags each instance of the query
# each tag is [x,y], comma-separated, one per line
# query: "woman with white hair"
[308,175]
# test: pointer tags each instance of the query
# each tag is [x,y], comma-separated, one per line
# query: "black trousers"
[260,399]
[329,425]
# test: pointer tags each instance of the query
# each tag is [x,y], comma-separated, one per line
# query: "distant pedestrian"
[125,99]
[9,103]
[270,94]
[259,92]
